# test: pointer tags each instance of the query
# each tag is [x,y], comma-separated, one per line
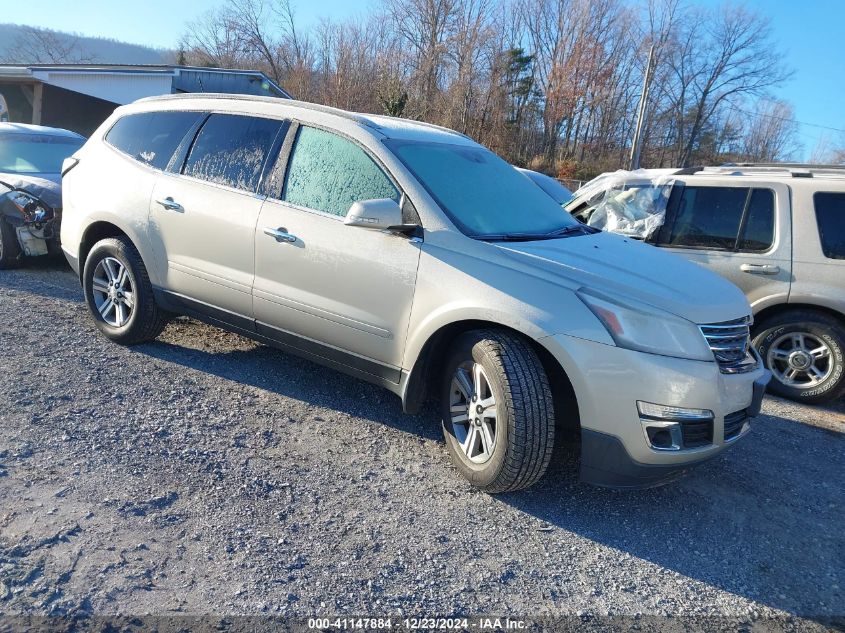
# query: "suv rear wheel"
[119,293]
[805,350]
[497,412]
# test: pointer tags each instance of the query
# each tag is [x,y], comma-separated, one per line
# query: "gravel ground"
[204,473]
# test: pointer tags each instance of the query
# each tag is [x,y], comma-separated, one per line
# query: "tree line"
[553,84]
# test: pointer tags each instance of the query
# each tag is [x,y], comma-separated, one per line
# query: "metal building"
[79,97]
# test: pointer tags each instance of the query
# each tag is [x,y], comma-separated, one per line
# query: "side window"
[231,149]
[708,217]
[151,137]
[830,217]
[759,231]
[328,173]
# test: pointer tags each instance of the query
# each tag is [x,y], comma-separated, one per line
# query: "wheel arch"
[96,231]
[427,367]
[780,308]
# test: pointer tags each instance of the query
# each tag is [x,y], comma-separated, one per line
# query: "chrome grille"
[730,344]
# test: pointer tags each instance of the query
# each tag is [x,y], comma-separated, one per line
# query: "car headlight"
[637,326]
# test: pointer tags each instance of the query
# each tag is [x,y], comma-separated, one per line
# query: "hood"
[616,265]
[47,187]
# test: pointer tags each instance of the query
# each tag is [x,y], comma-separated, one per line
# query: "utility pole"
[636,146]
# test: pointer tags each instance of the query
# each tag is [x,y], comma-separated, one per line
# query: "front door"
[343,292]
[741,232]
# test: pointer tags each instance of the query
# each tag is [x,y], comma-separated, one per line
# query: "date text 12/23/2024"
[417,624]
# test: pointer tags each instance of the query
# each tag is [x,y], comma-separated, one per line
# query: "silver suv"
[410,256]
[776,231]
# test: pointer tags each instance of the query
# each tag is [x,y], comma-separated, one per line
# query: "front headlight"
[640,327]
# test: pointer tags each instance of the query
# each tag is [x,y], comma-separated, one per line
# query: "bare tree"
[720,57]
[770,135]
[423,26]
[45,46]
[250,21]
[551,82]
[468,51]
[830,149]
[214,39]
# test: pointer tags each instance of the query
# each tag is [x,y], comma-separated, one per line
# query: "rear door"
[740,231]
[344,292]
[204,211]
[137,148]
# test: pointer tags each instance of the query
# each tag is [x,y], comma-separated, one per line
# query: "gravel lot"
[204,473]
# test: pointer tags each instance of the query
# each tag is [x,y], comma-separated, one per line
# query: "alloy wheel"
[472,407]
[114,291]
[800,360]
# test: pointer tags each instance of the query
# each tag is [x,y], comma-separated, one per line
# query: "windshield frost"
[484,195]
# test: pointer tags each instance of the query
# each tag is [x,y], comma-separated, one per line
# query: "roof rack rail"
[840,167]
[688,171]
[242,97]
[370,121]
[795,170]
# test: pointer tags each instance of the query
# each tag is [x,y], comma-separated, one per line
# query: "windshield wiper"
[583,229]
[514,237]
[566,231]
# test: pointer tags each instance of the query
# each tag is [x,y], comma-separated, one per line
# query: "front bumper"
[608,382]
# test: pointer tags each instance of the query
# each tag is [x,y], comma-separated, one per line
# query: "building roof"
[91,77]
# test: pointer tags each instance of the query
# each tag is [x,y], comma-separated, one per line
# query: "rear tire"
[119,293]
[497,412]
[805,350]
[10,250]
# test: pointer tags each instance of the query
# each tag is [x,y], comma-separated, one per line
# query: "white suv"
[776,231]
[410,256]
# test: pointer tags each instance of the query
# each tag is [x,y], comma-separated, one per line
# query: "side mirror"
[382,213]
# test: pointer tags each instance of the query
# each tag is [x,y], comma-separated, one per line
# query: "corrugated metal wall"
[120,88]
[192,80]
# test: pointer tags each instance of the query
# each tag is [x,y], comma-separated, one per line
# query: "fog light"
[663,436]
[663,425]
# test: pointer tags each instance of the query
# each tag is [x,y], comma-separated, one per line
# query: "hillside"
[58,47]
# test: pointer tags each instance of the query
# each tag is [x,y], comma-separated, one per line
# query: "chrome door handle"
[760,269]
[170,204]
[280,234]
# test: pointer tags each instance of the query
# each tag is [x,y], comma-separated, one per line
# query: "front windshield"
[35,153]
[484,195]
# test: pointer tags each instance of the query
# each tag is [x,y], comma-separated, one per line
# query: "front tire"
[805,350]
[497,411]
[119,293]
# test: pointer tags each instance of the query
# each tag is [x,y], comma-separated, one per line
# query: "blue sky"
[810,32]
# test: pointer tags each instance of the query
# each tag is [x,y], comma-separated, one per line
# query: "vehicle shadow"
[288,375]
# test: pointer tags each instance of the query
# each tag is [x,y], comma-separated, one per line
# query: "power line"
[783,118]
